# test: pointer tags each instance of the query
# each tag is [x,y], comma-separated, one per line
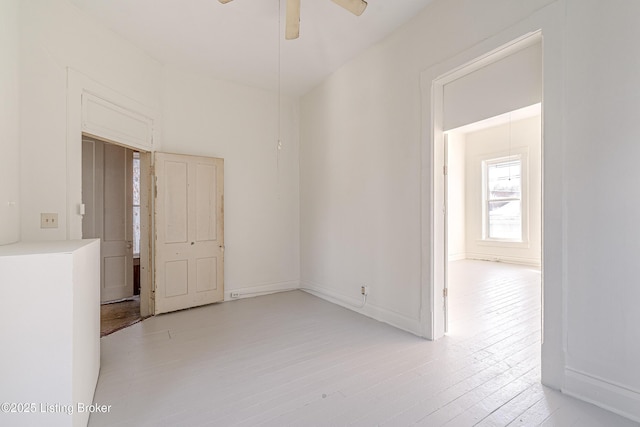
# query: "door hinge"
[445,292]
[445,170]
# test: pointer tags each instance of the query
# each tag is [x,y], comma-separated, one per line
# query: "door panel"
[189,240]
[92,187]
[205,202]
[175,202]
[176,273]
[117,179]
[206,274]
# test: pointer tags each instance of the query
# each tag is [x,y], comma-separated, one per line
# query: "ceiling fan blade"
[224,1]
[354,6]
[292,29]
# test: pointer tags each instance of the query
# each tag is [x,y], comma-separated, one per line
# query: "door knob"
[129,245]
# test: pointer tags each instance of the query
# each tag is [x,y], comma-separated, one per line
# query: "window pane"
[504,180]
[136,230]
[136,181]
[505,220]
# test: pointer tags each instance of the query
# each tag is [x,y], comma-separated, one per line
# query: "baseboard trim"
[457,257]
[380,314]
[506,259]
[262,289]
[607,395]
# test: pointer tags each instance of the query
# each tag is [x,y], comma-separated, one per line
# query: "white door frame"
[101,112]
[547,25]
[439,206]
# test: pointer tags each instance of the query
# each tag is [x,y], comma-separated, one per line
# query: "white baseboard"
[262,289]
[507,259]
[457,257]
[612,397]
[378,313]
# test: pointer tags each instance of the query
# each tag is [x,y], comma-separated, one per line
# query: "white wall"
[360,175]
[509,84]
[603,242]
[200,116]
[208,117]
[51,346]
[55,36]
[360,162]
[9,122]
[494,142]
[456,201]
[86,325]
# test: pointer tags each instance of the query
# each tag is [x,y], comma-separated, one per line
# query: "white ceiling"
[239,41]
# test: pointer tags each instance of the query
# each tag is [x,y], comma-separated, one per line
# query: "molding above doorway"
[113,122]
[96,110]
[100,111]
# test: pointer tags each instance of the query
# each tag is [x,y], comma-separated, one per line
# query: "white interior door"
[107,193]
[189,244]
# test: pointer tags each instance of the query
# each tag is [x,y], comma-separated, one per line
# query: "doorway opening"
[116,210]
[493,236]
[486,89]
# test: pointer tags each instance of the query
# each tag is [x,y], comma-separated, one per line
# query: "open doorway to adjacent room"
[112,199]
[485,284]
[493,193]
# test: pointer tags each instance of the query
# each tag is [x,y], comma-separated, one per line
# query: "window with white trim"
[503,199]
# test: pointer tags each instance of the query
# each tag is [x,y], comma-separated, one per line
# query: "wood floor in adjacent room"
[117,315]
[295,359]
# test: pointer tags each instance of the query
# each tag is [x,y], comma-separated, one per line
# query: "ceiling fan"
[292,29]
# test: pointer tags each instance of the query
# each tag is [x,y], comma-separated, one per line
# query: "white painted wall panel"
[506,85]
[603,242]
[53,356]
[9,122]
[208,117]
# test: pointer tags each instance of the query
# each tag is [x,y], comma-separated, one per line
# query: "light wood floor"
[294,359]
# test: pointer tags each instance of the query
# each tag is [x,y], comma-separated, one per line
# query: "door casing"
[433,304]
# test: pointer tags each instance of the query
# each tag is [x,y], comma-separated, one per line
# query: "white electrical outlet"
[48,220]
[364,290]
[235,294]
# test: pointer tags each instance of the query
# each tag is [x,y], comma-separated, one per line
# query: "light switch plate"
[48,220]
